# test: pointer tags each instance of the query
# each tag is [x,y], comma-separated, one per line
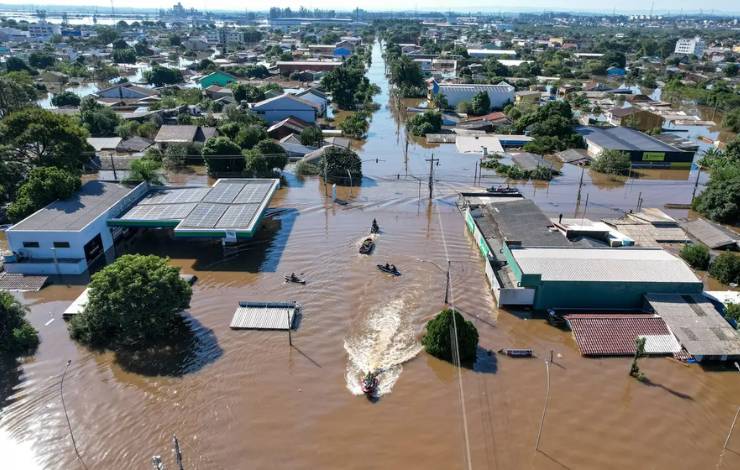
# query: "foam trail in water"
[384,341]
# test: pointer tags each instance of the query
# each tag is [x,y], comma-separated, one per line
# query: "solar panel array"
[228,205]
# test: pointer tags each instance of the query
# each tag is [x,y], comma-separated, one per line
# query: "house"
[134,144]
[183,134]
[635,118]
[286,127]
[644,150]
[196,44]
[285,106]
[486,53]
[614,71]
[215,92]
[316,97]
[288,67]
[500,95]
[294,148]
[527,97]
[219,78]
[125,91]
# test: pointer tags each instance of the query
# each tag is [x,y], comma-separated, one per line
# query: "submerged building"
[70,236]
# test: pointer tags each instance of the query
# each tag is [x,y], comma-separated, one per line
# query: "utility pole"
[431,174]
[178,454]
[544,410]
[290,325]
[580,184]
[113,165]
[696,185]
[326,182]
[447,285]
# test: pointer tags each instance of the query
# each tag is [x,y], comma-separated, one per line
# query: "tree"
[15,64]
[639,352]
[15,92]
[407,76]
[222,155]
[439,101]
[731,71]
[732,311]
[175,39]
[425,123]
[42,138]
[612,162]
[17,336]
[732,120]
[248,136]
[338,163]
[160,76]
[480,104]
[348,86]
[437,340]
[132,302]
[264,159]
[246,92]
[44,185]
[355,125]
[145,169]
[696,255]
[99,120]
[126,55]
[312,136]
[720,200]
[41,60]
[726,268]
[614,59]
[65,98]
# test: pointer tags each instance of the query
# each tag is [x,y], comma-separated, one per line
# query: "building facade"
[694,46]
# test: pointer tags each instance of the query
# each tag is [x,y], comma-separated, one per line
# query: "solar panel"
[159,212]
[173,196]
[238,217]
[223,193]
[204,216]
[253,193]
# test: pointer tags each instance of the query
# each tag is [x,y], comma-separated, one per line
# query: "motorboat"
[375,228]
[513,352]
[367,246]
[389,268]
[294,279]
[369,383]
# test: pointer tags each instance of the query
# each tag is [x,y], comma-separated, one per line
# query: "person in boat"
[393,268]
[375,227]
[293,277]
[387,266]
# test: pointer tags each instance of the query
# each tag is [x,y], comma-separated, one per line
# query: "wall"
[280,109]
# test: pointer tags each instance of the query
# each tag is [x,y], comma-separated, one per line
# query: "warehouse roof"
[603,265]
[75,213]
[624,138]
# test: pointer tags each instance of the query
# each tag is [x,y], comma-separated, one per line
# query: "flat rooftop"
[73,214]
[603,265]
[697,324]
[230,205]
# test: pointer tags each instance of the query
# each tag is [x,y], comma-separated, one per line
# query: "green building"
[219,78]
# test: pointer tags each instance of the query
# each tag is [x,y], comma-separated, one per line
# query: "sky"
[660,6]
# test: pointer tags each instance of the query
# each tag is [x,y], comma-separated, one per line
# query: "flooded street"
[247,399]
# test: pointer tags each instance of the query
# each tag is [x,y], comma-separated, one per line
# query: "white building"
[43,30]
[693,46]
[68,236]
[500,95]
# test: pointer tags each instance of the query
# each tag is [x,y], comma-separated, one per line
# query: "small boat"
[369,383]
[391,269]
[367,246]
[294,279]
[374,228]
[512,352]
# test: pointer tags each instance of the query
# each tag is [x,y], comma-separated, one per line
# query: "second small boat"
[367,246]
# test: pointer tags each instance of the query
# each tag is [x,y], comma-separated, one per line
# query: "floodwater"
[247,399]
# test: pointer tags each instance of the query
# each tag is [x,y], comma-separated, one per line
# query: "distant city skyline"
[625,6]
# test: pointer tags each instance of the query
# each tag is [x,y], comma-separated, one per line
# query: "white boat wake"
[383,341]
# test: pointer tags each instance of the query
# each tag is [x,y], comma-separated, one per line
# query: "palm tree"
[145,170]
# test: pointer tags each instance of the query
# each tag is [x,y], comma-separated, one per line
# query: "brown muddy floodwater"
[246,399]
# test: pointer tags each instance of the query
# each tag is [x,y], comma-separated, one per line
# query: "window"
[30,244]
[61,244]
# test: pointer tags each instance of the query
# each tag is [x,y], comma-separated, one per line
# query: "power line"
[69,424]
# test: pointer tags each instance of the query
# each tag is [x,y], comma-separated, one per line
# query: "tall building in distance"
[694,46]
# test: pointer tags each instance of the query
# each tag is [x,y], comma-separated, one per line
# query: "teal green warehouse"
[218,78]
[598,278]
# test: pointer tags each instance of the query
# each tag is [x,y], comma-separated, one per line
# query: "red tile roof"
[613,334]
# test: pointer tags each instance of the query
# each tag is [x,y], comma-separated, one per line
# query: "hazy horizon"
[659,7]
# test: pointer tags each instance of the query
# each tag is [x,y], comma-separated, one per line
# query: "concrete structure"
[693,46]
[67,236]
[500,95]
[644,150]
[486,53]
[285,106]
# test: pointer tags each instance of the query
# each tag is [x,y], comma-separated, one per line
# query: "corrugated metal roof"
[603,264]
[710,234]
[615,334]
[264,316]
[697,324]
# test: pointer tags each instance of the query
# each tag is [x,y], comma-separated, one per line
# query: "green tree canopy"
[425,123]
[15,64]
[145,169]
[406,74]
[480,104]
[337,162]
[222,155]
[355,125]
[99,120]
[17,336]
[264,159]
[249,136]
[612,162]
[41,59]
[160,76]
[312,136]
[437,340]
[124,56]
[246,92]
[43,186]
[720,200]
[133,302]
[696,255]
[65,98]
[42,138]
[726,268]
[16,92]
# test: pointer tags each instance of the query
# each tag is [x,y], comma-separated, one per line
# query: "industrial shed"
[644,150]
